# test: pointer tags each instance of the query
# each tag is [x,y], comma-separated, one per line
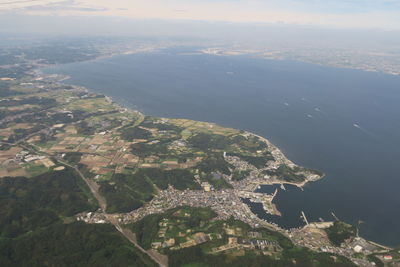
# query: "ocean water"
[343,122]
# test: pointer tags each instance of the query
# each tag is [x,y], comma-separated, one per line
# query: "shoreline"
[281,156]
[275,148]
[59,78]
[275,151]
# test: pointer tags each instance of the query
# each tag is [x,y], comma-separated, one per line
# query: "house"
[358,248]
[156,245]
[388,257]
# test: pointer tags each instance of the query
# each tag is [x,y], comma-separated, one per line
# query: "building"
[156,245]
[388,257]
[206,186]
[358,248]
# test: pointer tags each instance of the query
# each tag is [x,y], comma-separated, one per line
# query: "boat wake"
[364,130]
[320,111]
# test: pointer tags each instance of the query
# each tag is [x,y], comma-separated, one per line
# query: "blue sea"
[343,122]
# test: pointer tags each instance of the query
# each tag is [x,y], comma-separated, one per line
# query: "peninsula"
[172,188]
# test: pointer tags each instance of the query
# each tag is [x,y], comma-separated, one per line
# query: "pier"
[274,194]
[304,217]
[334,216]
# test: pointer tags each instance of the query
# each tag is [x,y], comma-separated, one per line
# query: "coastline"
[275,148]
[275,151]
[280,155]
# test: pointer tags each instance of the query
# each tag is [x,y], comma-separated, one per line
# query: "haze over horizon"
[174,133]
[370,14]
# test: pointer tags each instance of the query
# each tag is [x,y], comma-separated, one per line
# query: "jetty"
[304,217]
[334,216]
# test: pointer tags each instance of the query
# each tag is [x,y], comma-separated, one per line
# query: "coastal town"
[138,166]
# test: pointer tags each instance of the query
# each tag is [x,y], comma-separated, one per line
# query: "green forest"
[37,226]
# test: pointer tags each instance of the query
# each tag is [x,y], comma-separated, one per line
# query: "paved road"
[160,259]
[94,187]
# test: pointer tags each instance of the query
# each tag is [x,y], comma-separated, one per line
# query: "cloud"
[339,13]
[18,2]
[63,7]
[25,3]
[180,10]
[342,6]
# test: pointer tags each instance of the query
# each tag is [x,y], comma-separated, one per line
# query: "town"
[139,166]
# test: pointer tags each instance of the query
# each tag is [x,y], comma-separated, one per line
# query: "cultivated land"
[172,188]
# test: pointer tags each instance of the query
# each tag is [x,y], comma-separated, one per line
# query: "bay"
[343,122]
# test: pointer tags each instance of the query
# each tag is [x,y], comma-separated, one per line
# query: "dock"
[274,194]
[304,217]
[334,216]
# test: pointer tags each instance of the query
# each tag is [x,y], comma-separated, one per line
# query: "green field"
[184,224]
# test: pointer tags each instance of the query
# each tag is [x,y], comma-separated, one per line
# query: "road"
[94,187]
[160,259]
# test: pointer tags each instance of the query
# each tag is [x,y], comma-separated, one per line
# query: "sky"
[376,14]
